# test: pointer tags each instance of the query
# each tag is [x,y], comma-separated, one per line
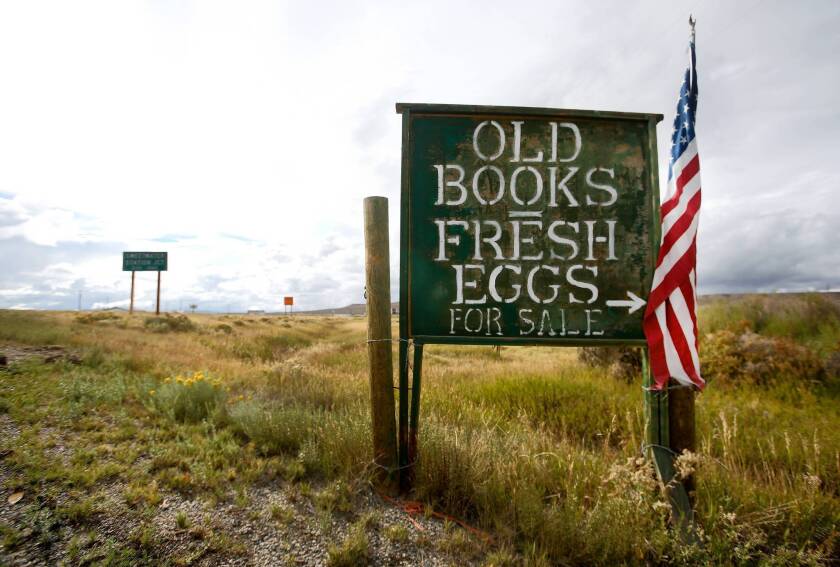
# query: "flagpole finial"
[691,21]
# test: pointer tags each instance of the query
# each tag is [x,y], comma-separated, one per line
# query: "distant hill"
[352,309]
[359,308]
[703,299]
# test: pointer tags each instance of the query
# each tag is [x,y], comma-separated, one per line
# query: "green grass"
[268,348]
[169,324]
[32,328]
[396,533]
[275,430]
[352,552]
[530,445]
[188,398]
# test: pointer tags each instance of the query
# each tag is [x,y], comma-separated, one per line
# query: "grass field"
[529,445]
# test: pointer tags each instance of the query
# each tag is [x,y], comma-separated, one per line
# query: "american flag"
[670,318]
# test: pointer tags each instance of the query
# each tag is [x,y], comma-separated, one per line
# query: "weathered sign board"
[526,225]
[288,300]
[145,261]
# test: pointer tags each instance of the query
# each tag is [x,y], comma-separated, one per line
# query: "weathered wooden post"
[378,290]
[681,426]
[661,415]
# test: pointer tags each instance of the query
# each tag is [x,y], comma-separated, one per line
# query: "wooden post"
[378,287]
[414,416]
[659,449]
[131,302]
[402,432]
[681,426]
[157,303]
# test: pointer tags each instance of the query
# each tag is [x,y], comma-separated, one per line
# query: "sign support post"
[378,288]
[414,415]
[402,433]
[681,426]
[157,303]
[662,412]
[131,302]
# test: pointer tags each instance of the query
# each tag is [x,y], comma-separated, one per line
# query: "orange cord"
[412,508]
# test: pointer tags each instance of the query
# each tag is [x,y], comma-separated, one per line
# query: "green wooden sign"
[526,225]
[145,261]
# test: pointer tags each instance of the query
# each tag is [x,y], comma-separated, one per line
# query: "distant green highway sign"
[145,261]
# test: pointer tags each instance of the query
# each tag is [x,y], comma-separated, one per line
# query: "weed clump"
[622,363]
[283,515]
[354,551]
[832,364]
[729,357]
[397,533]
[96,317]
[268,348]
[292,384]
[169,324]
[224,328]
[811,319]
[189,398]
[273,431]
[337,497]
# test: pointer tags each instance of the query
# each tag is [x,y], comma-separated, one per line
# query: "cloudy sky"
[241,137]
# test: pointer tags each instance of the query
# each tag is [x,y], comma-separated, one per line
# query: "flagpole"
[681,410]
[669,404]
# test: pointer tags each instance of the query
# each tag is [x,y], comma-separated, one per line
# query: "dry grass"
[530,445]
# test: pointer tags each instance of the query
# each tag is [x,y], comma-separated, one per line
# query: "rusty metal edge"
[460,109]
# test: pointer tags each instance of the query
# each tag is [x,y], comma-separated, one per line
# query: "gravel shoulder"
[279,524]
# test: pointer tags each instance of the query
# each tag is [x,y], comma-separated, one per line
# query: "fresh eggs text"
[506,231]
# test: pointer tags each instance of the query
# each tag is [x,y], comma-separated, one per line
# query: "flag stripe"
[686,194]
[682,224]
[678,273]
[682,178]
[686,323]
[656,347]
[675,252]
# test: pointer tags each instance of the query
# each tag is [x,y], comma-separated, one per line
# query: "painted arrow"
[634,303]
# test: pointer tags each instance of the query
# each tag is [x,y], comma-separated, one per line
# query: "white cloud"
[243,137]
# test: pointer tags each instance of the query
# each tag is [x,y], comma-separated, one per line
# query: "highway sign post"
[145,262]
